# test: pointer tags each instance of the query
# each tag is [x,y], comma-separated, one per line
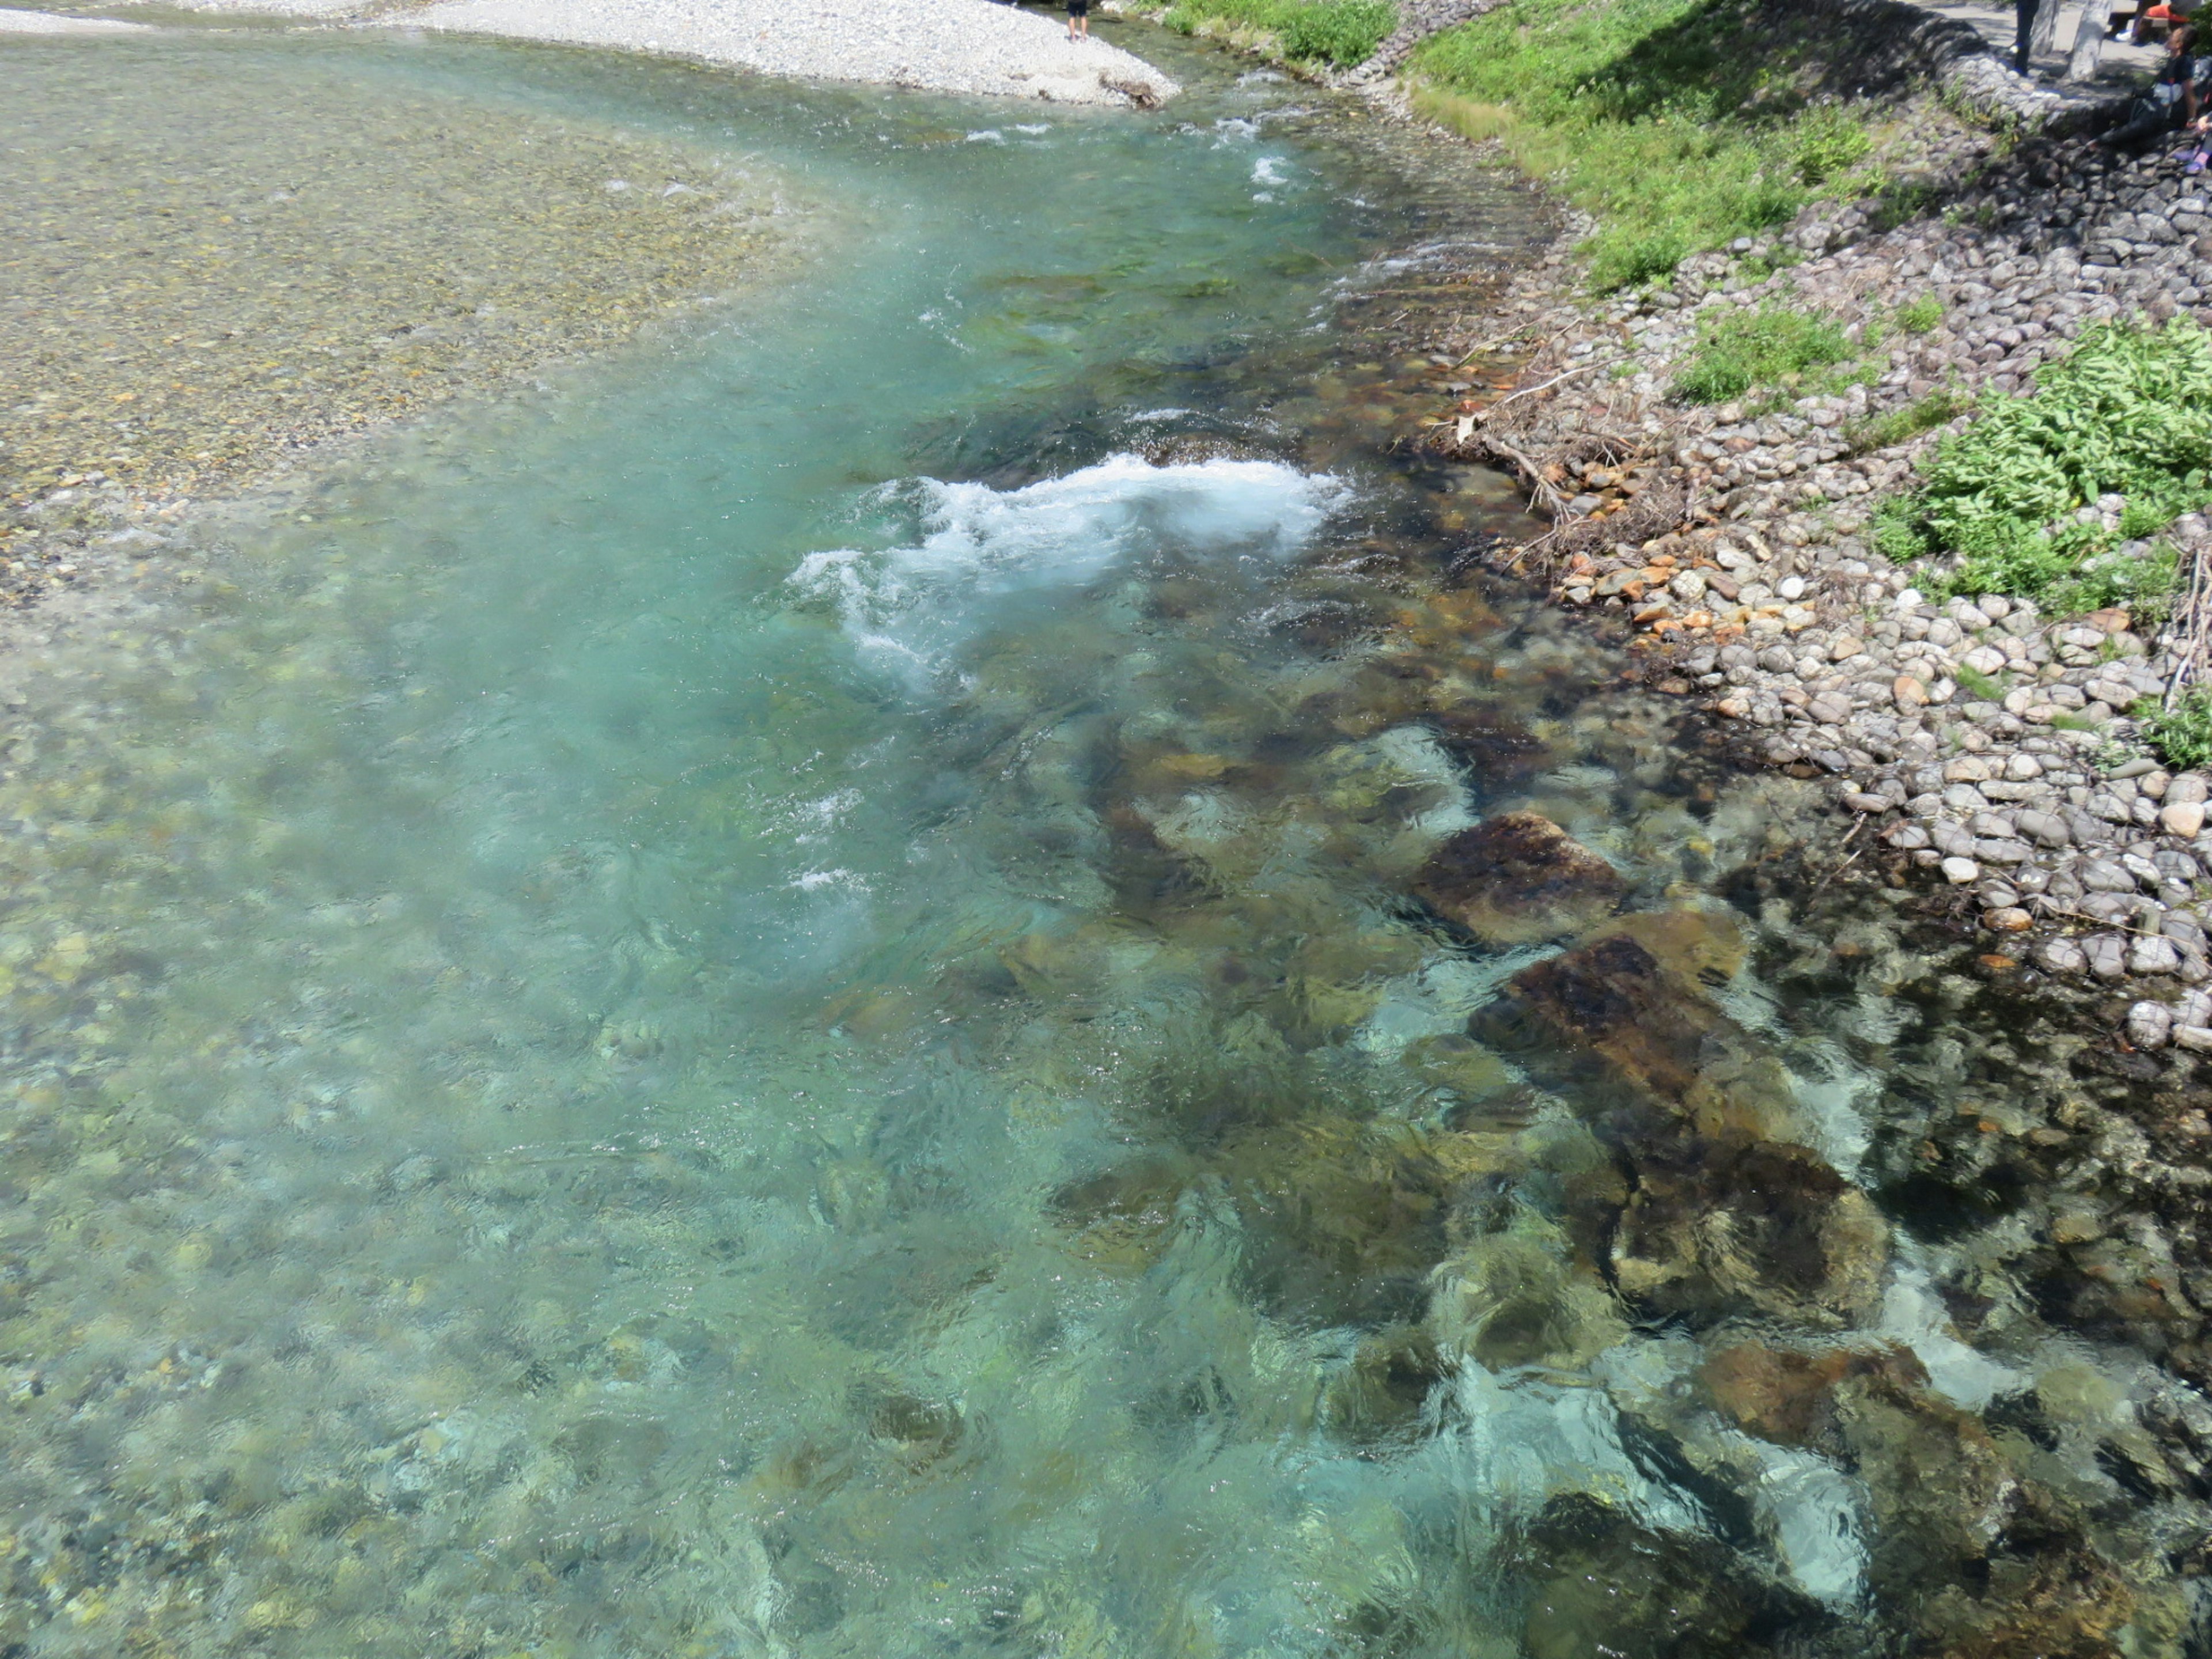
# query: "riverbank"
[1715,446]
[1994,738]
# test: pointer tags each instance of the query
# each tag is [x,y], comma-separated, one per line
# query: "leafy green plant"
[1626,261]
[1900,201]
[1342,32]
[2182,733]
[2142,584]
[1773,345]
[2129,412]
[1765,262]
[1921,315]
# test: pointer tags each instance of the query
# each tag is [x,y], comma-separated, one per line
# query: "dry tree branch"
[1497,341]
[1483,416]
[2191,631]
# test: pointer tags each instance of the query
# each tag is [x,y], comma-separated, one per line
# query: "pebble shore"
[975,46]
[49,22]
[1983,742]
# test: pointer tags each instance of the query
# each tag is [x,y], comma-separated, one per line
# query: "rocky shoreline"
[1986,743]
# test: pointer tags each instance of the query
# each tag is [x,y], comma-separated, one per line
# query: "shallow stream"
[767,1001]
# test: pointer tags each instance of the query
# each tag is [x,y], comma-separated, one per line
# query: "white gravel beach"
[948,45]
[47,22]
[943,46]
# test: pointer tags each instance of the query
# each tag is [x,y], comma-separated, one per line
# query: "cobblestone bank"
[1984,743]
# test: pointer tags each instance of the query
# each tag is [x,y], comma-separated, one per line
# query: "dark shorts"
[1078,7]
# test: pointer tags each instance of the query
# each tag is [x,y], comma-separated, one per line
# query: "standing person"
[1079,20]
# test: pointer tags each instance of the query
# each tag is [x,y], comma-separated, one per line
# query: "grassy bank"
[1680,125]
[1335,32]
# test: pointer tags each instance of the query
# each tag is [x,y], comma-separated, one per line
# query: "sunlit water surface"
[582,1014]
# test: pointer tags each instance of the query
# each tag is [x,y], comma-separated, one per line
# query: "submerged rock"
[1725,1213]
[1629,1012]
[1516,1299]
[1789,1397]
[1968,1549]
[1722,1225]
[1342,1222]
[1518,879]
[1382,1391]
[1601,1585]
[1495,749]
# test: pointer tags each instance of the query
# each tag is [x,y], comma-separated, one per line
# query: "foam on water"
[982,557]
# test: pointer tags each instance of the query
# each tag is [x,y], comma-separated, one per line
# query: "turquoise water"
[763,1002]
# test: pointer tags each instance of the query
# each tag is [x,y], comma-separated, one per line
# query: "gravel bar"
[47,22]
[938,46]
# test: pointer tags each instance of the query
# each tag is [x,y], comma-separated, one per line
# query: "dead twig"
[1540,489]
[2047,909]
[1656,510]
[1840,868]
[1493,344]
[2190,631]
[1484,415]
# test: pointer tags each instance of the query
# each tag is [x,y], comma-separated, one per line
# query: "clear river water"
[764,1001]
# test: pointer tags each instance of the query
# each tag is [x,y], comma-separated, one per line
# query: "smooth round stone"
[2149,1024]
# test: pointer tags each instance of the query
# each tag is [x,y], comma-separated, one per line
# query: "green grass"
[1342,32]
[1921,315]
[1979,685]
[1900,201]
[2127,412]
[1679,123]
[1939,407]
[2183,733]
[1772,346]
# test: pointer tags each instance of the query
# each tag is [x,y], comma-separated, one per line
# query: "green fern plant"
[2129,412]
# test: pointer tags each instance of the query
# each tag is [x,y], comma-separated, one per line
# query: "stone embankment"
[1985,744]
